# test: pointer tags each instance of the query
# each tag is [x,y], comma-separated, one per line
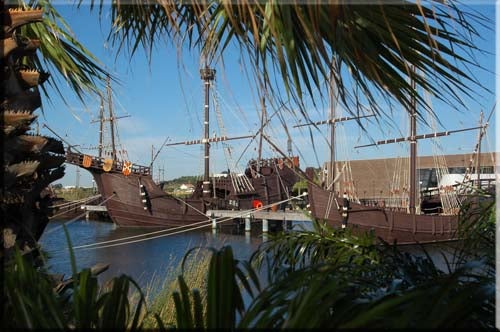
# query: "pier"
[268,219]
[93,208]
[261,215]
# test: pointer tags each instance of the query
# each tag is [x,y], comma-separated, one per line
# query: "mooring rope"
[76,204]
[206,223]
[189,205]
[75,218]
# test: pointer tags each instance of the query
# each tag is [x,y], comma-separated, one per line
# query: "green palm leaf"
[63,54]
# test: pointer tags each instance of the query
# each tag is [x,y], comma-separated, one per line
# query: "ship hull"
[135,200]
[123,200]
[390,225]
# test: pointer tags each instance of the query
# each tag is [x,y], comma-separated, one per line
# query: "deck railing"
[98,163]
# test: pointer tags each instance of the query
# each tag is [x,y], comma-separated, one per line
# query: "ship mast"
[101,126]
[478,155]
[332,121]
[331,170]
[413,144]
[207,75]
[262,119]
[111,118]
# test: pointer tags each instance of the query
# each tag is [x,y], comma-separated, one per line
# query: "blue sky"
[165,99]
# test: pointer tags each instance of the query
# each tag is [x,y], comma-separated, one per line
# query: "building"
[373,178]
[187,187]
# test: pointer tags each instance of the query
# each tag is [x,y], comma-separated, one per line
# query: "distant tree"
[299,187]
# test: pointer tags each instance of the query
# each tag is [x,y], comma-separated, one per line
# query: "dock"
[261,215]
[93,208]
[268,220]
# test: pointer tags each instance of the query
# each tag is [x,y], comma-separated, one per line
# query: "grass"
[194,271]
[73,194]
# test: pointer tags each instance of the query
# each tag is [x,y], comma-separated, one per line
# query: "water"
[143,261]
[150,263]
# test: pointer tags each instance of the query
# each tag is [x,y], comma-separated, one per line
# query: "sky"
[164,100]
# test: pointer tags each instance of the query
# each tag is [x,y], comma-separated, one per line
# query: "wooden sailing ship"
[401,224]
[133,199]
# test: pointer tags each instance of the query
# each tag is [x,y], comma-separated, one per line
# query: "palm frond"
[374,45]
[63,54]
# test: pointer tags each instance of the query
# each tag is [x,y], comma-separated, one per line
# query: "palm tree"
[31,161]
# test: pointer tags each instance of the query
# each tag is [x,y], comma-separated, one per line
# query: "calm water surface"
[149,262]
[144,261]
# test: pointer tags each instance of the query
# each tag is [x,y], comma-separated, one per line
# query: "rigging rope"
[76,218]
[64,212]
[239,180]
[448,196]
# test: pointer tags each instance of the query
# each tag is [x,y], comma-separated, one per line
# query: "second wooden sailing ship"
[400,224]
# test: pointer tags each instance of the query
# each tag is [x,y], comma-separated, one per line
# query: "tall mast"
[478,155]
[101,126]
[289,146]
[331,170]
[207,75]
[262,119]
[152,159]
[413,143]
[111,118]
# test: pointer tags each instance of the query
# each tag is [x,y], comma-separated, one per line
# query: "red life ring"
[257,204]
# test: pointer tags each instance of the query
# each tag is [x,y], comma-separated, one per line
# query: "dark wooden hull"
[124,202]
[389,225]
[126,209]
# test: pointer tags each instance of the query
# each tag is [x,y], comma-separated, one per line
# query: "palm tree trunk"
[31,162]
